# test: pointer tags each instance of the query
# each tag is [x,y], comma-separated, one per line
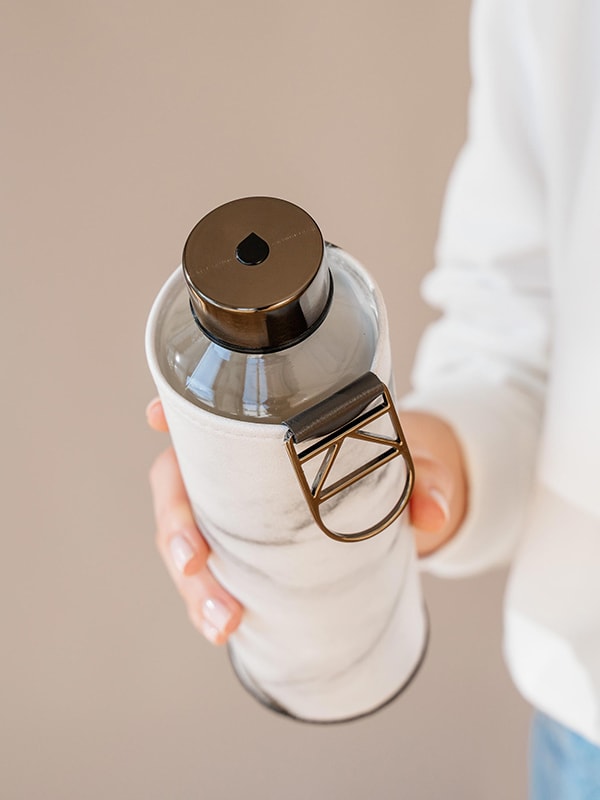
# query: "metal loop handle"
[310,424]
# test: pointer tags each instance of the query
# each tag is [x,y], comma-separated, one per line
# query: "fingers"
[155,416]
[431,506]
[430,501]
[212,610]
[439,500]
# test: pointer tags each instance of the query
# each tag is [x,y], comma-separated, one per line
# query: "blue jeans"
[562,764]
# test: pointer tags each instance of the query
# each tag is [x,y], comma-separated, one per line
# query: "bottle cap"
[257,274]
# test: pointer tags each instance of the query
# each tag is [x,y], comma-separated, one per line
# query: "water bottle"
[270,351]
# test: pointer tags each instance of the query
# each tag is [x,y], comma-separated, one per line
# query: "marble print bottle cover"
[270,352]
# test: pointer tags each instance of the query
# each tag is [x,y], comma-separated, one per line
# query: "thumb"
[439,500]
[430,505]
[432,493]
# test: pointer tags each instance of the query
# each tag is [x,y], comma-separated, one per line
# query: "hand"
[439,499]
[212,610]
[437,507]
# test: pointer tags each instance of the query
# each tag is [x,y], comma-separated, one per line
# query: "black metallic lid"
[257,275]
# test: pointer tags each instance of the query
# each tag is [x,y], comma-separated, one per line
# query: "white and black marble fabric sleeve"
[331,630]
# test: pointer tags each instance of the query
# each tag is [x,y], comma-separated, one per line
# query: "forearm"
[482,367]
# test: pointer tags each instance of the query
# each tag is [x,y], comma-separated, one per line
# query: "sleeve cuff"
[498,429]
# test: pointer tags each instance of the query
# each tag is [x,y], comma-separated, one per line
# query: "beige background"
[123,123]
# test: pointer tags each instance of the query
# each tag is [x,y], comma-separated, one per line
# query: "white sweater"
[514,362]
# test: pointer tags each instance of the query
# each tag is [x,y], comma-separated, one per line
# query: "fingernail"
[152,405]
[181,552]
[211,633]
[440,500]
[216,614]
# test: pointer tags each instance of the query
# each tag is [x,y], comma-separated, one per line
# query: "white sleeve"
[482,366]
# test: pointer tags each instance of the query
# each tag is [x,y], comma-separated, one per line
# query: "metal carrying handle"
[331,421]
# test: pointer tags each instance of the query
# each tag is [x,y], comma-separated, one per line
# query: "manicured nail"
[440,501]
[181,552]
[216,614]
[152,405]
[211,633]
